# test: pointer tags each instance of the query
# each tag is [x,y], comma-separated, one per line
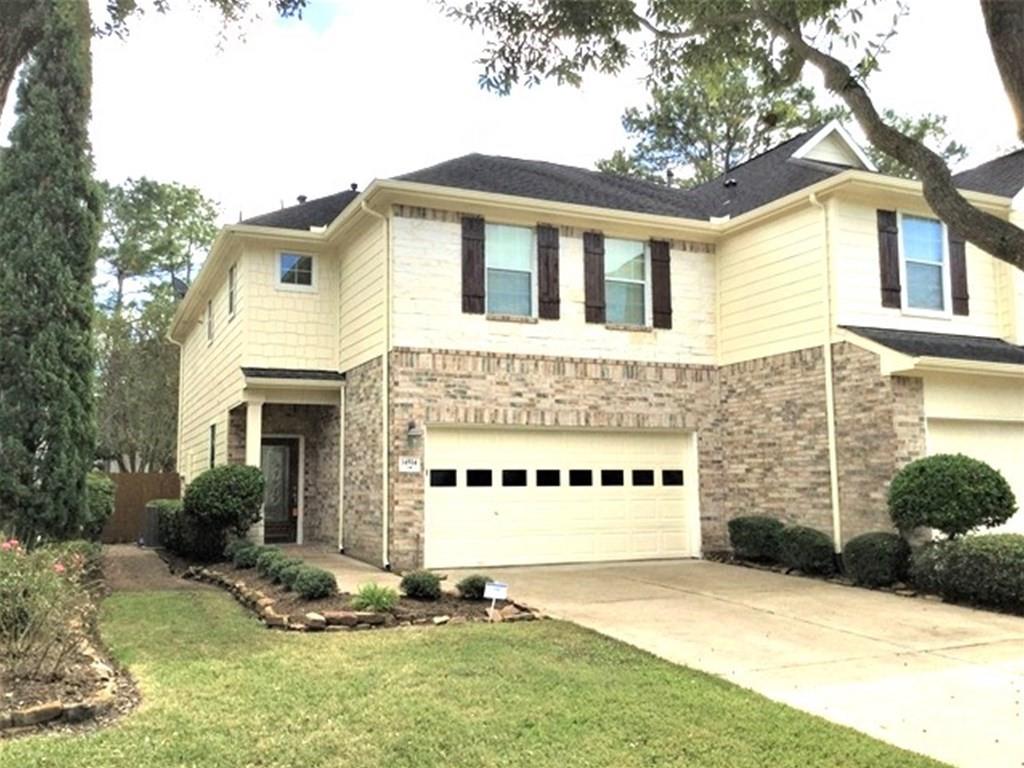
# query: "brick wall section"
[445,387]
[236,435]
[319,425]
[363,471]
[879,428]
[775,439]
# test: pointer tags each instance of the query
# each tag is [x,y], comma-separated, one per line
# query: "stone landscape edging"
[262,605]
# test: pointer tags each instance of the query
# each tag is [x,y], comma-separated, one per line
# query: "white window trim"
[311,288]
[534,280]
[946,313]
[233,291]
[648,291]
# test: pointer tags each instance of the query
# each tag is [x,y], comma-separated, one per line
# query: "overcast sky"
[374,88]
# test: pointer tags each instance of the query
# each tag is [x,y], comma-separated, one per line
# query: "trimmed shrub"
[314,583]
[266,557]
[755,537]
[952,493]
[983,570]
[245,557]
[289,574]
[421,585]
[234,545]
[807,550]
[374,597]
[99,504]
[276,568]
[170,524]
[226,498]
[472,587]
[877,559]
[926,564]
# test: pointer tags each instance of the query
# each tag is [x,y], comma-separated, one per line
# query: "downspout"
[341,471]
[181,381]
[385,435]
[830,400]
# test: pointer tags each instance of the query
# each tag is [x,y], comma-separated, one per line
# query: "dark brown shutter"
[473,264]
[958,274]
[547,272]
[889,258]
[661,284]
[593,276]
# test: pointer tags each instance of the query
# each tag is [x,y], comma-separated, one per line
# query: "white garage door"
[1000,444]
[519,496]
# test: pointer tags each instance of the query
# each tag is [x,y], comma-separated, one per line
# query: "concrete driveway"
[937,679]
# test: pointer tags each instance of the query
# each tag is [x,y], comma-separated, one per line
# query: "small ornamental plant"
[421,585]
[374,597]
[472,587]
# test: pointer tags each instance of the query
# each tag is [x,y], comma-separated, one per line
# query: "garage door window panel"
[612,477]
[581,477]
[443,478]
[478,478]
[672,477]
[513,478]
[549,478]
[643,477]
[509,254]
[626,284]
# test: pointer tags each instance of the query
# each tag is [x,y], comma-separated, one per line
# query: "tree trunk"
[1004,21]
[22,28]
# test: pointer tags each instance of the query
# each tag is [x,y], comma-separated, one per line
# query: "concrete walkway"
[937,679]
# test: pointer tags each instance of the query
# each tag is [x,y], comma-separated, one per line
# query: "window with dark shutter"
[661,284]
[473,264]
[548,299]
[889,258]
[593,276]
[958,274]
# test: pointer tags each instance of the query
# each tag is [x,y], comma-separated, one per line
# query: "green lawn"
[219,690]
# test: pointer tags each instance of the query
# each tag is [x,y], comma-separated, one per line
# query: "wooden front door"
[280,466]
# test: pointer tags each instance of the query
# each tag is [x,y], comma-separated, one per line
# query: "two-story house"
[499,361]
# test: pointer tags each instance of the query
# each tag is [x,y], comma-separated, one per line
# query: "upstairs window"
[924,263]
[231,292]
[295,270]
[508,253]
[209,321]
[625,282]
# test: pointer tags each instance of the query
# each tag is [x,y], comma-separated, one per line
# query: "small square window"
[671,477]
[442,478]
[213,445]
[231,292]
[612,477]
[209,321]
[581,477]
[515,478]
[547,478]
[478,478]
[643,477]
[295,269]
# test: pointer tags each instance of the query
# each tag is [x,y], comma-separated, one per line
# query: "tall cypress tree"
[49,225]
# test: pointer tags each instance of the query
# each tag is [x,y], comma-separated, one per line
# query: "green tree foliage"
[49,209]
[930,129]
[532,40]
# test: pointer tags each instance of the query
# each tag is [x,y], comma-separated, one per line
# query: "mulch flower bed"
[279,608]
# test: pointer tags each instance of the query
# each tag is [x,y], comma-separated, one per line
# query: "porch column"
[254,450]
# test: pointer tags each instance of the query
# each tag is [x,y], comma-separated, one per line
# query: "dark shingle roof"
[1003,176]
[304,374]
[762,179]
[312,213]
[919,344]
[562,183]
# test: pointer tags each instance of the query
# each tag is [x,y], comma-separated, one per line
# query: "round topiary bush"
[472,587]
[245,557]
[807,550]
[289,574]
[983,570]
[877,559]
[225,498]
[421,585]
[266,557]
[952,493]
[314,583]
[755,537]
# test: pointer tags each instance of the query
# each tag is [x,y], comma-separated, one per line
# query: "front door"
[280,466]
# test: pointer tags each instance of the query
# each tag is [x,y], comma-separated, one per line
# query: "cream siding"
[979,398]
[362,295]
[211,380]
[833,149]
[427,304]
[771,287]
[856,271]
[286,328]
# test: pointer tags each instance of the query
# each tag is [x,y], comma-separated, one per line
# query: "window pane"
[611,477]
[624,258]
[296,270]
[442,478]
[508,247]
[624,303]
[581,477]
[513,477]
[924,286]
[478,478]
[643,477]
[922,239]
[547,478]
[671,477]
[508,293]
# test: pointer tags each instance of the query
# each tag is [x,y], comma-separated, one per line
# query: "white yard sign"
[496,590]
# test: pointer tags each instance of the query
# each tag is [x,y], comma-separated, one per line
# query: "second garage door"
[521,496]
[1000,444]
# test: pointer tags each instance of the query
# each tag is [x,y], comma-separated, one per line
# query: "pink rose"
[58,567]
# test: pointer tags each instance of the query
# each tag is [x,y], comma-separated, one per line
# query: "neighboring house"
[497,361]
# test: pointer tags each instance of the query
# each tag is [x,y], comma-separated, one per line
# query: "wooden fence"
[134,491]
